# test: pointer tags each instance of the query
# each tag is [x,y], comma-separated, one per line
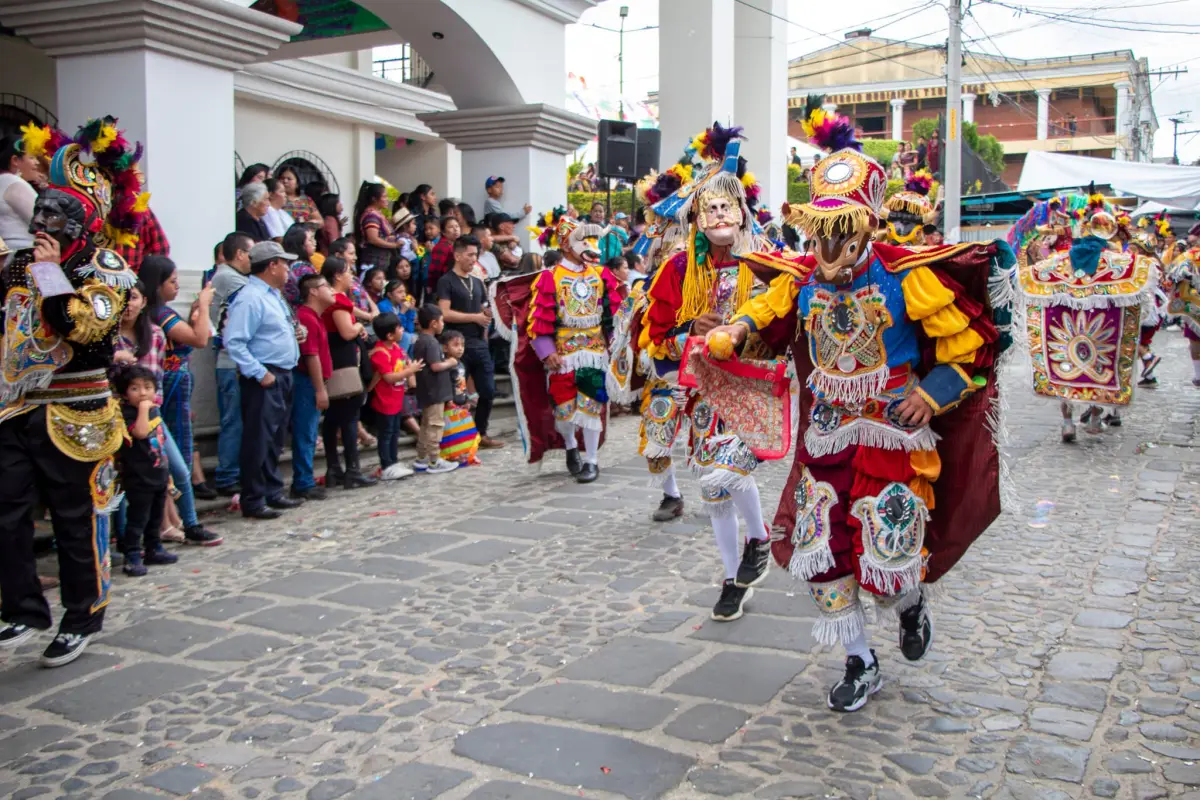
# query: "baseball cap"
[268,251]
[620,215]
[492,180]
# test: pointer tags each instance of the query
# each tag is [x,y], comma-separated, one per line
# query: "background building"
[1095,104]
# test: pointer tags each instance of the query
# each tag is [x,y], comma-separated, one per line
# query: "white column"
[898,119]
[696,84]
[968,108]
[760,104]
[1043,119]
[165,69]
[526,145]
[1124,119]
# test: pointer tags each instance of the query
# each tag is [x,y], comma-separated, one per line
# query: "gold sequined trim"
[95,313]
[86,435]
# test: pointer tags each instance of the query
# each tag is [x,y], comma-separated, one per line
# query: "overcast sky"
[592,53]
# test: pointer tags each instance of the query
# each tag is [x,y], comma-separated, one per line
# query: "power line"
[874,24]
[825,35]
[916,48]
[1124,26]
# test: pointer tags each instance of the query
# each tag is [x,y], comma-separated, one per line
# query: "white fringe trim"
[718,509]
[585,421]
[585,358]
[1188,322]
[840,629]
[897,579]
[804,565]
[869,434]
[1093,301]
[853,388]
[656,450]
[723,478]
[506,333]
[583,323]
[889,608]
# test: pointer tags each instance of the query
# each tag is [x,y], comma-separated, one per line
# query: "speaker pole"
[608,203]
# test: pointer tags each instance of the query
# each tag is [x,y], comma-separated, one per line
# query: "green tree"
[881,150]
[986,146]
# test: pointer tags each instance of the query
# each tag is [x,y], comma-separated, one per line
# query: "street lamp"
[621,64]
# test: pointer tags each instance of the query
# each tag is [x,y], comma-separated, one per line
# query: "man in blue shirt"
[260,336]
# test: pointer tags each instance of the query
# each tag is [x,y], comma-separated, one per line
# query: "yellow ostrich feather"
[748,180]
[814,121]
[108,135]
[142,203]
[699,140]
[34,139]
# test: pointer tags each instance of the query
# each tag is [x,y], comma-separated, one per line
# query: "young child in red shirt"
[394,372]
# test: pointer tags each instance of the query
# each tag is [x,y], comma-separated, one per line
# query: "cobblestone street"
[494,634]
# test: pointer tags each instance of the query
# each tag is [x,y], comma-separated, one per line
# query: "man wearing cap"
[495,190]
[260,336]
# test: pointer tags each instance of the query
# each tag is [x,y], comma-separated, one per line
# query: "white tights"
[725,528]
[591,440]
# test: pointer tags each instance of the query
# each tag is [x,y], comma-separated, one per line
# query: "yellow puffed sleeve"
[775,303]
[930,302]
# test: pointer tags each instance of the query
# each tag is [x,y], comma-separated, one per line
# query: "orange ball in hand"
[720,345]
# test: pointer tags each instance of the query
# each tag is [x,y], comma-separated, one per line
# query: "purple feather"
[719,138]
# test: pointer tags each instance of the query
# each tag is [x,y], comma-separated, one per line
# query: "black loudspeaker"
[618,149]
[648,145]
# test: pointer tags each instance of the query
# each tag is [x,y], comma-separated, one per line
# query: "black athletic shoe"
[858,684]
[669,509]
[756,560]
[201,536]
[1149,382]
[230,490]
[311,493]
[356,480]
[202,491]
[916,631]
[588,473]
[574,462]
[16,633]
[733,597]
[65,648]
[1112,420]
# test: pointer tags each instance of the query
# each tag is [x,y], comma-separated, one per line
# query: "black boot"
[574,462]
[669,509]
[354,478]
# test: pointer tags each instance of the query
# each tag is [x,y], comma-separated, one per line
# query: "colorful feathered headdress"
[712,161]
[99,167]
[1162,224]
[545,227]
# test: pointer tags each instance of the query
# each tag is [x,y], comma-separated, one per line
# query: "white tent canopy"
[808,154]
[1151,207]
[1170,185]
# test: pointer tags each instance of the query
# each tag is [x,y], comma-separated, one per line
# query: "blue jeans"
[305,421]
[387,428]
[181,475]
[229,438]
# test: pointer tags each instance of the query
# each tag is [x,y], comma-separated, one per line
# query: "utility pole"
[621,64]
[952,175]
[1176,121]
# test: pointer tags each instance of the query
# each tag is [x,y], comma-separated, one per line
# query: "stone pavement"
[493,634]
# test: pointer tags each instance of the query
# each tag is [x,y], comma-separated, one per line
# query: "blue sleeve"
[244,317]
[946,386]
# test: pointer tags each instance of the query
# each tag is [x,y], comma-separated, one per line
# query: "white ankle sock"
[670,487]
[591,446]
[725,531]
[747,502]
[858,647]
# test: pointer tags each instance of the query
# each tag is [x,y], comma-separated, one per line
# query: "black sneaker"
[1112,419]
[134,567]
[756,559]
[670,508]
[65,648]
[1150,382]
[202,491]
[574,462]
[201,536]
[159,557]
[858,684]
[733,597]
[15,634]
[230,490]
[916,631]
[311,493]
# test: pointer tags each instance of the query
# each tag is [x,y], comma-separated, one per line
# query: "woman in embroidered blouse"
[332,221]
[300,240]
[298,204]
[374,236]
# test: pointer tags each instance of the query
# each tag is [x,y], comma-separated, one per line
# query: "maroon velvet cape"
[967,493]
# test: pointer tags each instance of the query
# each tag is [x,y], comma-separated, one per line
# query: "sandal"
[172,534]
[367,440]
